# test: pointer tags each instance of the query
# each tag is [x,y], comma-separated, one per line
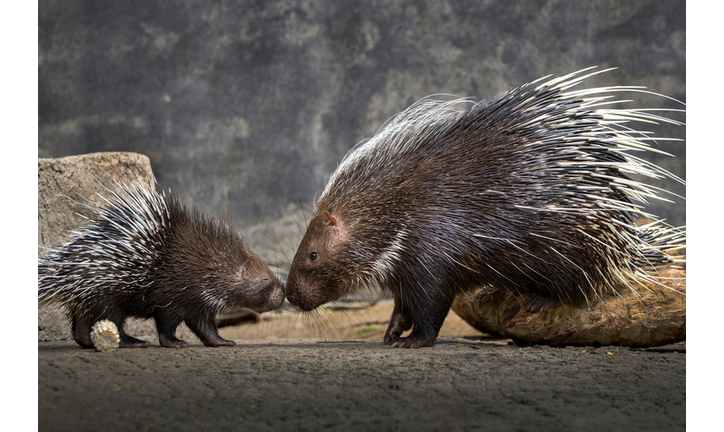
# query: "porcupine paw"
[208,333]
[540,303]
[398,325]
[172,342]
[218,342]
[131,342]
[412,342]
[391,335]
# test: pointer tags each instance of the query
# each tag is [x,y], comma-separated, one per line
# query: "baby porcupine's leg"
[166,324]
[205,328]
[128,341]
[80,326]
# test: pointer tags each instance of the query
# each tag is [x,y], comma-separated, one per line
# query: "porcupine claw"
[413,341]
[399,324]
[131,342]
[407,342]
[172,342]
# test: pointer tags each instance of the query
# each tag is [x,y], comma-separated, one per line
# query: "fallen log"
[652,315]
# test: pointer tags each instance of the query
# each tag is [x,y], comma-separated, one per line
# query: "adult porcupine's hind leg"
[536,302]
[205,328]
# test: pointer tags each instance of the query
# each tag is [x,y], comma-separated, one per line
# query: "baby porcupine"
[529,193]
[147,256]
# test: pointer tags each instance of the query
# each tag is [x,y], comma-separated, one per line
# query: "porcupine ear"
[328,219]
[336,229]
[246,268]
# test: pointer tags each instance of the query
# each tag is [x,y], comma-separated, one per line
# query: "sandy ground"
[330,371]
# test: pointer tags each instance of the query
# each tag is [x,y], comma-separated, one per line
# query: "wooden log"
[654,315]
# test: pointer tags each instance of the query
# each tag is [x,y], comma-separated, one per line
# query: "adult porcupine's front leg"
[427,317]
[422,335]
[399,323]
[206,330]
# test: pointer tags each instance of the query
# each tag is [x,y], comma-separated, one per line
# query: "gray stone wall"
[258,100]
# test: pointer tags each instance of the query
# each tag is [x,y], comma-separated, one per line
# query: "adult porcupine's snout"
[301,294]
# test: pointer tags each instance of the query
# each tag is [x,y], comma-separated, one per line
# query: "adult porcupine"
[529,193]
[147,256]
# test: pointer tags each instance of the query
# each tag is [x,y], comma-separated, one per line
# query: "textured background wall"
[259,100]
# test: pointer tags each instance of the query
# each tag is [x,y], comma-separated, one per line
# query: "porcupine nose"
[294,295]
[276,299]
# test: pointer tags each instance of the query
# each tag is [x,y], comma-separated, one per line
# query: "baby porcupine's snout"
[276,296]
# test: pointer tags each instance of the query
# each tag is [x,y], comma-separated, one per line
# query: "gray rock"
[68,186]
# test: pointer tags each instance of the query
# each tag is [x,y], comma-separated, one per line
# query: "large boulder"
[68,186]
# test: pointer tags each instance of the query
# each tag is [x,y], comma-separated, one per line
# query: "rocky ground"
[330,371]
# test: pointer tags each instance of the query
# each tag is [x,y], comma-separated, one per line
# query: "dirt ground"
[329,370]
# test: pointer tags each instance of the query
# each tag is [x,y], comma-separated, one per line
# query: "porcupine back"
[124,242]
[530,193]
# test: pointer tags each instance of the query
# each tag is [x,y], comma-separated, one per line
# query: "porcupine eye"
[313,256]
